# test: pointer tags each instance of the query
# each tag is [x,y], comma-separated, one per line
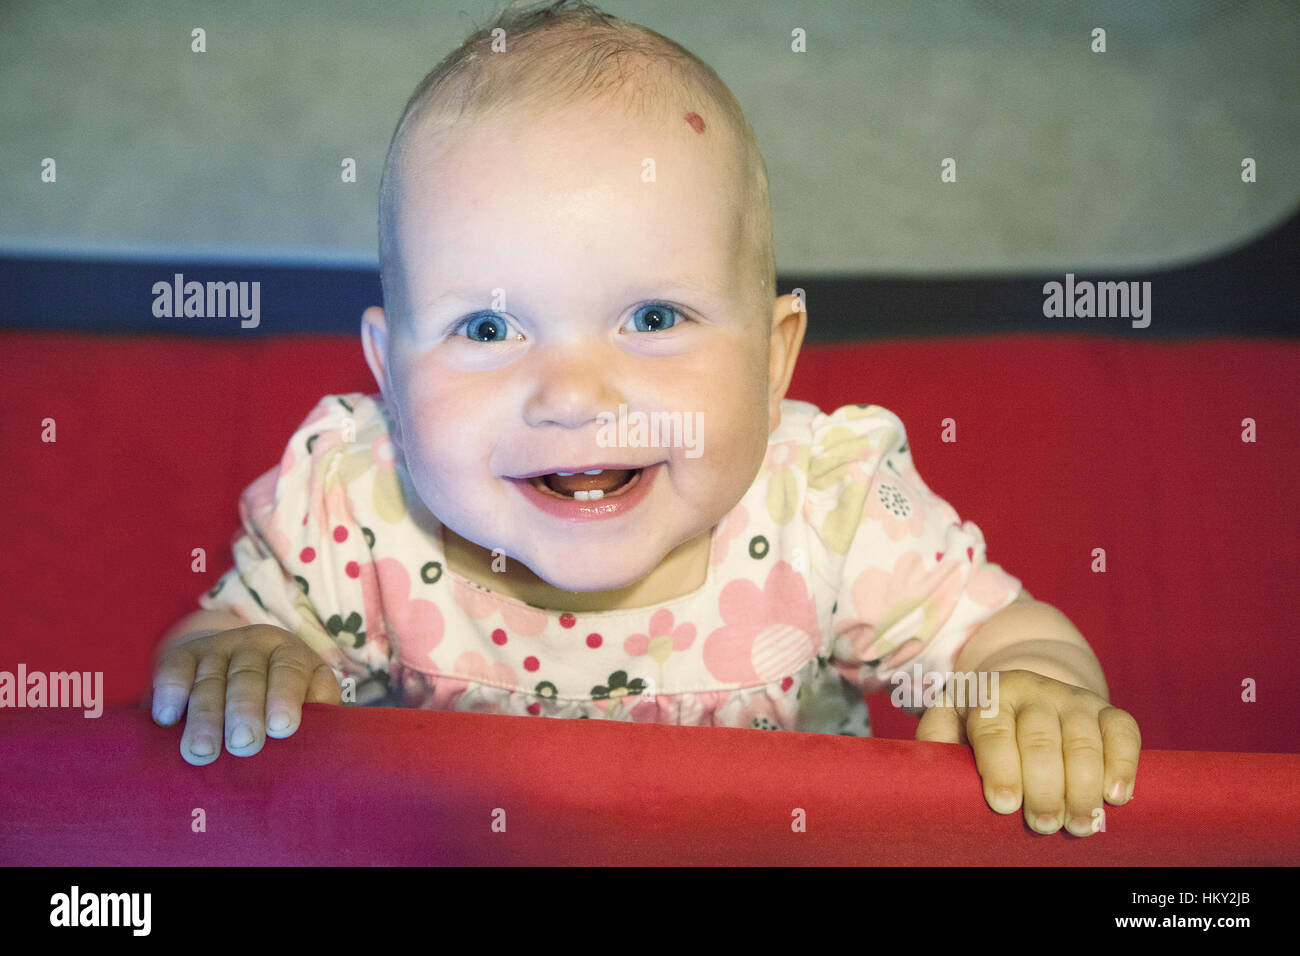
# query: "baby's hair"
[633,66]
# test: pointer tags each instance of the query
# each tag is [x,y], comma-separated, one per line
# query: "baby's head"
[575,237]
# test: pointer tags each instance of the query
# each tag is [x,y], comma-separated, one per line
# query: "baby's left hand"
[1046,733]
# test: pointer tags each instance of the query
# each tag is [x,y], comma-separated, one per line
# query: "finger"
[1123,742]
[173,677]
[246,700]
[201,741]
[941,725]
[997,756]
[1084,767]
[289,677]
[324,686]
[1038,734]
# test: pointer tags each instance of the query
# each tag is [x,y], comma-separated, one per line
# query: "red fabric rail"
[379,786]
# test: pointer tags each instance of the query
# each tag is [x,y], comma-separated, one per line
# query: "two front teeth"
[594,484]
[595,495]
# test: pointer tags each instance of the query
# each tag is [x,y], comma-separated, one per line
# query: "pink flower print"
[733,526]
[475,602]
[649,711]
[686,710]
[782,485]
[520,618]
[418,624]
[322,445]
[260,495]
[288,459]
[257,505]
[464,691]
[475,667]
[447,692]
[909,601]
[662,640]
[768,634]
[990,586]
[697,710]
[784,455]
[892,503]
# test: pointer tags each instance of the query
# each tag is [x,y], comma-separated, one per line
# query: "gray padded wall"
[1067,159]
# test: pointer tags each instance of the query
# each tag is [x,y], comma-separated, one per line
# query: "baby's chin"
[592,572]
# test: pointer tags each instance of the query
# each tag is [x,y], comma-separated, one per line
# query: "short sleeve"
[299,557]
[914,582]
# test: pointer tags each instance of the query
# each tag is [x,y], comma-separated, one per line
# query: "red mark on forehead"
[697,124]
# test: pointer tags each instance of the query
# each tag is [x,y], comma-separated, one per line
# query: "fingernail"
[1080,826]
[242,736]
[1117,791]
[202,746]
[165,715]
[1048,824]
[1004,801]
[279,721]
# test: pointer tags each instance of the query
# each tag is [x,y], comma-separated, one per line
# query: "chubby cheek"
[738,447]
[442,431]
[735,424]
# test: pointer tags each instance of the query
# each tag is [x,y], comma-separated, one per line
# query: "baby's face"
[550,288]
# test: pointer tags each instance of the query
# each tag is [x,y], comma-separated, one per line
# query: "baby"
[583,493]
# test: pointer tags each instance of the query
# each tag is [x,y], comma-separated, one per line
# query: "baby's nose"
[571,387]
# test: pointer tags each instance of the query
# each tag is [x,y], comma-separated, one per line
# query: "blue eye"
[486,328]
[654,318]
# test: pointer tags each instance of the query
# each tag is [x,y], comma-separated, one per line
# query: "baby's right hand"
[253,679]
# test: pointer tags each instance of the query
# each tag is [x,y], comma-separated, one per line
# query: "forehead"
[587,169]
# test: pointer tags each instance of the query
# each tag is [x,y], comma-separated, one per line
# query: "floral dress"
[837,568]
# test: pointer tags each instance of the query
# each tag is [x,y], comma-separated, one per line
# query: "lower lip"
[598,510]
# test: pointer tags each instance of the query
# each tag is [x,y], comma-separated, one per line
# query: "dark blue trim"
[1249,291]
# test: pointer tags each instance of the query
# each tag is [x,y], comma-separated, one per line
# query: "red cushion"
[379,786]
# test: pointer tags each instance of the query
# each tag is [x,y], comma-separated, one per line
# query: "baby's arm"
[250,680]
[1051,742]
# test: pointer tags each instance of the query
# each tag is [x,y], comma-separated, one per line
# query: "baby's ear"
[789,322]
[374,342]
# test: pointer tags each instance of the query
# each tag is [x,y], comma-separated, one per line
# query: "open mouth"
[591,485]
